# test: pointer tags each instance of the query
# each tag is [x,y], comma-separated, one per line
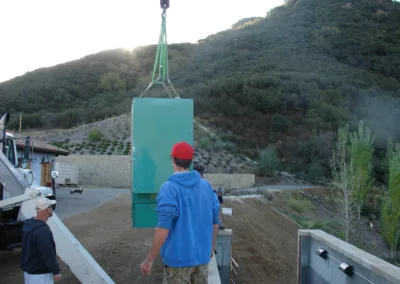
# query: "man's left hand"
[146,266]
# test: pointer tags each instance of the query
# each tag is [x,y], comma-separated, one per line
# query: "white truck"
[17,203]
[8,147]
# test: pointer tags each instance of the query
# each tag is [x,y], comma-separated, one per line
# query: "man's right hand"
[57,277]
[212,253]
[145,266]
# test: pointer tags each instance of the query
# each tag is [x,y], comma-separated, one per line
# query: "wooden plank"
[45,176]
[237,265]
[234,270]
[42,175]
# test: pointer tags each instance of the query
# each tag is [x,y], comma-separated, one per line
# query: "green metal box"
[157,124]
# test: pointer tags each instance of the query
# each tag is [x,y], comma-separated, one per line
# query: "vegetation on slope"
[289,79]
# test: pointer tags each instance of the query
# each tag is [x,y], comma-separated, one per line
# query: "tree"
[280,123]
[343,171]
[387,159]
[361,151]
[391,205]
[112,82]
[269,160]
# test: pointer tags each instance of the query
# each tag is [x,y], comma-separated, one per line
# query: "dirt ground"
[264,245]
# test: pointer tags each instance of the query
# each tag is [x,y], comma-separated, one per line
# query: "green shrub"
[95,135]
[368,210]
[205,142]
[280,123]
[218,144]
[296,205]
[378,199]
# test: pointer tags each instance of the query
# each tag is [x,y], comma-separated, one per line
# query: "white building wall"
[36,163]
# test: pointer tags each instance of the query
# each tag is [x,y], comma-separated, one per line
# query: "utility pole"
[20,121]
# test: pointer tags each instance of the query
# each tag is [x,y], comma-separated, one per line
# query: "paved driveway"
[69,205]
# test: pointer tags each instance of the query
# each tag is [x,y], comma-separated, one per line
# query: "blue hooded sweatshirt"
[38,254]
[187,207]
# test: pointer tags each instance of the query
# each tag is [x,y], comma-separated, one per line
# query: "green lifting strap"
[162,61]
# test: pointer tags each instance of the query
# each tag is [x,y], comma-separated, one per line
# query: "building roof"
[39,146]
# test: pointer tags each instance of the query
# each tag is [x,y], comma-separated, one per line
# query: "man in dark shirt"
[221,200]
[218,192]
[38,257]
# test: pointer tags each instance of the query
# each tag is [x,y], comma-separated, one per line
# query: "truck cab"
[21,164]
[10,233]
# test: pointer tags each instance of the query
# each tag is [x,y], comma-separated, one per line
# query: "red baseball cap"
[182,150]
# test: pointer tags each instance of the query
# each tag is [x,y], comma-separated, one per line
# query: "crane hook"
[164,4]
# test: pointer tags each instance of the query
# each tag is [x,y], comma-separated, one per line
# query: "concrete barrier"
[223,255]
[324,259]
[213,275]
[115,171]
[231,180]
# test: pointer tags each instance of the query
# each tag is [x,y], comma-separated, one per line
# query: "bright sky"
[44,33]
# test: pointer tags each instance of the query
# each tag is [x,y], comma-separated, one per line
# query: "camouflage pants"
[186,275]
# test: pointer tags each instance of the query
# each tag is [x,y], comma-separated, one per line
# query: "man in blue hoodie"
[38,257]
[187,210]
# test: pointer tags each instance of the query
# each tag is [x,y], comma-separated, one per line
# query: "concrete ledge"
[231,180]
[225,232]
[367,260]
[213,274]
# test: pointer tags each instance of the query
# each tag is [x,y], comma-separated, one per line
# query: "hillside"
[112,137]
[288,79]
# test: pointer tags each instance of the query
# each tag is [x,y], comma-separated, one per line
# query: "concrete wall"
[314,269]
[231,180]
[223,246]
[115,171]
[102,170]
[213,275]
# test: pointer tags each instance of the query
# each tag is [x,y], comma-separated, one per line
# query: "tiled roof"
[39,146]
